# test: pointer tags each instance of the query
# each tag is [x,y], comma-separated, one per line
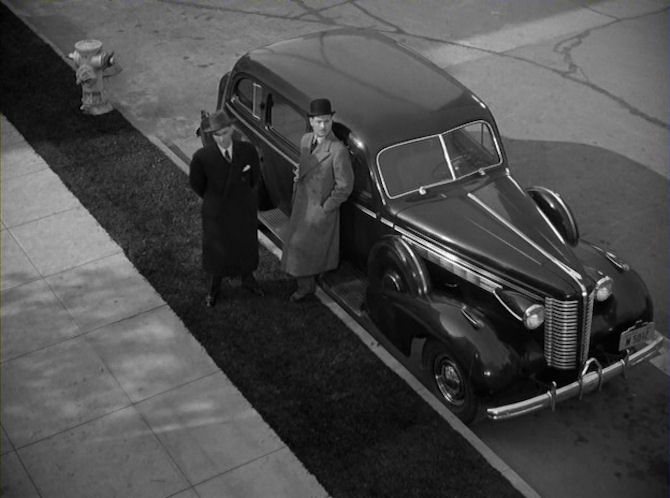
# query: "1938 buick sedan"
[512,311]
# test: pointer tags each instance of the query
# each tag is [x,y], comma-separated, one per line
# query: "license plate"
[634,336]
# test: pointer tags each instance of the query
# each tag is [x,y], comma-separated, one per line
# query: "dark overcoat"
[323,181]
[229,205]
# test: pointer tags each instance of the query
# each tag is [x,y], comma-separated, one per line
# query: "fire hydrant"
[90,62]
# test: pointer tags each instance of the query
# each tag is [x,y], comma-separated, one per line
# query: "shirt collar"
[224,149]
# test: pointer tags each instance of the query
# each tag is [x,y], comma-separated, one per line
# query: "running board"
[273,224]
[346,285]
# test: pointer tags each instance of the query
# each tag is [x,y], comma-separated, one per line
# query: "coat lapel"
[309,162]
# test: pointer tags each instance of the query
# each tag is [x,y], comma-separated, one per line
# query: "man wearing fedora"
[323,181]
[224,174]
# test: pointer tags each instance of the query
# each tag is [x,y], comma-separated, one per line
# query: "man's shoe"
[298,296]
[210,301]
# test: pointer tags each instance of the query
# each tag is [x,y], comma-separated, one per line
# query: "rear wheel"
[452,385]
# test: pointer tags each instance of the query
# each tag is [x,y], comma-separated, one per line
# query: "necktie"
[313,146]
[226,154]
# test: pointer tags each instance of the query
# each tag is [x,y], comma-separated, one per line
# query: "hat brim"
[216,121]
[320,114]
[211,129]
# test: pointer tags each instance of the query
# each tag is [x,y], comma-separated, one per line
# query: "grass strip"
[353,423]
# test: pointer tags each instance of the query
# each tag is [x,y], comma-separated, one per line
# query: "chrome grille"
[561,333]
[567,335]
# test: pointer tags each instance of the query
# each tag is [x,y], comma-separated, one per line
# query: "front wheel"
[451,385]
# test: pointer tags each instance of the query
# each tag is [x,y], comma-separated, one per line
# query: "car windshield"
[428,161]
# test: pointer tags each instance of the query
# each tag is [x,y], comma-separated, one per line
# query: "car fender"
[473,341]
[393,265]
[402,303]
[557,211]
[630,300]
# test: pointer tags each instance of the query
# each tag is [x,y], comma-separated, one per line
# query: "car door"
[360,225]
[285,124]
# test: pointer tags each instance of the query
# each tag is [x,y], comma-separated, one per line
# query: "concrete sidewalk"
[104,391]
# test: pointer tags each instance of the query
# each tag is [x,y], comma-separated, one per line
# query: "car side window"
[249,95]
[286,121]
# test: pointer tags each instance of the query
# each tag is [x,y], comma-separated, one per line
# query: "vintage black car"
[489,279]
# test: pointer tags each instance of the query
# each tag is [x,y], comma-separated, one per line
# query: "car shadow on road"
[620,204]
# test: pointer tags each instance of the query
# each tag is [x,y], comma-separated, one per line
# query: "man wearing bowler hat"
[323,181]
[224,174]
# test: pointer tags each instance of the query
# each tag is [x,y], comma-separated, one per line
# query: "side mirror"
[557,211]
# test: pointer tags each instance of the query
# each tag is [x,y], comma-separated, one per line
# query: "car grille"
[567,332]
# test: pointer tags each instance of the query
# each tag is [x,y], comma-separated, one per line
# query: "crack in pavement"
[564,47]
[311,11]
[316,12]
[596,11]
[395,29]
[573,71]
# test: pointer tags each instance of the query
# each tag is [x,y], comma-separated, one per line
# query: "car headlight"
[604,289]
[533,317]
[522,307]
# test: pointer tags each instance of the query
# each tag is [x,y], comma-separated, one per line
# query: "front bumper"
[588,381]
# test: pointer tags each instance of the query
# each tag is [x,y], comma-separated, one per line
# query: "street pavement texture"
[560,76]
[104,391]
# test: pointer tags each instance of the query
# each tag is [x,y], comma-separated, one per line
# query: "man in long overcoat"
[323,181]
[224,174]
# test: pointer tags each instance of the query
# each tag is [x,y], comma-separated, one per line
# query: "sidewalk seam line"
[40,218]
[283,447]
[131,404]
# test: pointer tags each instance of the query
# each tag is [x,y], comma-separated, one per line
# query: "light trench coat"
[323,181]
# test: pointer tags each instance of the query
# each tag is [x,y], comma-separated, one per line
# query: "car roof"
[381,90]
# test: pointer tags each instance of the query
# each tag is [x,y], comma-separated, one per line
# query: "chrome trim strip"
[257,133]
[588,382]
[450,262]
[587,319]
[387,222]
[365,210]
[257,97]
[468,316]
[510,310]
[446,154]
[550,224]
[466,265]
[422,278]
[237,100]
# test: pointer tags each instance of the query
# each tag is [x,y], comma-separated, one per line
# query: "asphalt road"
[580,93]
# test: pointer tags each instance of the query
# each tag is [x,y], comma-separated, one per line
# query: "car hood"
[494,225]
